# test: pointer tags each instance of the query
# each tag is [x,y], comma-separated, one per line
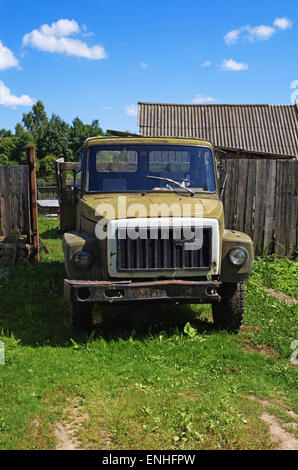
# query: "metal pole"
[33,204]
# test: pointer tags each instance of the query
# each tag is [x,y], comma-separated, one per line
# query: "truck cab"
[144,222]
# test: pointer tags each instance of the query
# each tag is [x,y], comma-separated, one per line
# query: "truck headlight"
[83,259]
[237,256]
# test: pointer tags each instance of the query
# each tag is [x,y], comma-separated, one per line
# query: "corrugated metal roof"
[259,128]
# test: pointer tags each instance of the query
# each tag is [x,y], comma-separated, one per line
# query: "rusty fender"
[127,291]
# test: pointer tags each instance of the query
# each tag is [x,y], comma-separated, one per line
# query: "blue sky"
[97,59]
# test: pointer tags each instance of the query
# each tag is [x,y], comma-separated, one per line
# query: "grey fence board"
[241,195]
[25,207]
[269,203]
[5,204]
[14,201]
[261,200]
[250,192]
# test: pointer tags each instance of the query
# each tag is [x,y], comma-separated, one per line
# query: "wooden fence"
[46,189]
[261,200]
[14,201]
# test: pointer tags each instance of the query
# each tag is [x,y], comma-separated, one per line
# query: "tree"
[23,139]
[36,120]
[46,169]
[56,140]
[7,148]
[5,133]
[52,138]
[79,132]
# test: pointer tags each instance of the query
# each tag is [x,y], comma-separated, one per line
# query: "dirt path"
[280,296]
[65,437]
[282,438]
[65,432]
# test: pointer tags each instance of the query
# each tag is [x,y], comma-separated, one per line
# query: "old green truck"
[144,222]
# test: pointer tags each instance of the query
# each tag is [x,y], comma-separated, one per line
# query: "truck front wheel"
[228,313]
[80,315]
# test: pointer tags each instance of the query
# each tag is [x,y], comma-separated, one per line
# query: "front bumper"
[107,292]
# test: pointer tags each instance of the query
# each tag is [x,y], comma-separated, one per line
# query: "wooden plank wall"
[48,189]
[261,200]
[14,201]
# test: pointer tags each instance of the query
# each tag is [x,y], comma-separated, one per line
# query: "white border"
[162,222]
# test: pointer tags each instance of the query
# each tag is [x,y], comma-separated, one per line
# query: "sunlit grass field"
[157,377]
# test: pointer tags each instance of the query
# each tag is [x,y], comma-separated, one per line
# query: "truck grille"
[162,254]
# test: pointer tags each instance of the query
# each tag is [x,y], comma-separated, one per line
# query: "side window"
[79,173]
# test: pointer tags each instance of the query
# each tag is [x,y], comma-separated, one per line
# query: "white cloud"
[207,63]
[131,110]
[232,65]
[10,100]
[232,36]
[283,23]
[7,59]
[107,108]
[86,32]
[200,99]
[257,33]
[260,33]
[86,35]
[63,27]
[55,39]
[143,65]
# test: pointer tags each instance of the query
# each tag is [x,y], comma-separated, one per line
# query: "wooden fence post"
[259,218]
[250,198]
[269,202]
[33,203]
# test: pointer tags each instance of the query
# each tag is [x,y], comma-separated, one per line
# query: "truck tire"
[228,313]
[80,315]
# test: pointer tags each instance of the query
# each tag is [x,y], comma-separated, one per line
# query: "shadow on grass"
[51,233]
[32,307]
[140,321]
[33,310]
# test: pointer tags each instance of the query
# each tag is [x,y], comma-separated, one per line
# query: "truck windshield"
[119,168]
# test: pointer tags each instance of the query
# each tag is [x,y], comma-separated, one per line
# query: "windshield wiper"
[169,180]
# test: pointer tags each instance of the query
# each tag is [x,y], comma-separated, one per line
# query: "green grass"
[146,378]
[279,274]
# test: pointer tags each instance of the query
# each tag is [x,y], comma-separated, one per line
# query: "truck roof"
[140,139]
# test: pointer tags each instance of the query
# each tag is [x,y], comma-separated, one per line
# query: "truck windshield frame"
[124,168]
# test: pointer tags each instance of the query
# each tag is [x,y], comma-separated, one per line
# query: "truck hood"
[119,206]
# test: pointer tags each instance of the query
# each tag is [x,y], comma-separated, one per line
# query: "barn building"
[242,130]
